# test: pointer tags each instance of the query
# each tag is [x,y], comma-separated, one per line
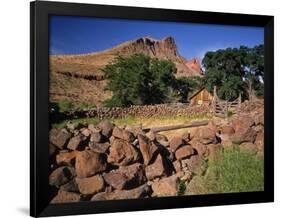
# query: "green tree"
[138,80]
[234,71]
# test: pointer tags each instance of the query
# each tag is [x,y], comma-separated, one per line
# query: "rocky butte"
[74,77]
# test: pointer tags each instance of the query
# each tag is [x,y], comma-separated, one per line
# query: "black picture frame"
[39,95]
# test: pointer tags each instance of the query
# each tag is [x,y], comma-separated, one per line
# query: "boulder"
[177,166]
[94,128]
[166,186]
[85,132]
[227,130]
[259,119]
[126,177]
[59,138]
[121,152]
[199,147]
[139,192]
[259,141]
[242,122]
[244,135]
[99,147]
[176,142]
[71,186]
[75,142]
[115,179]
[53,150]
[66,158]
[88,163]
[249,147]
[162,140]
[184,152]
[186,136]
[106,128]
[156,169]
[194,164]
[206,135]
[135,129]
[64,197]
[90,185]
[213,151]
[123,134]
[96,137]
[148,149]
[61,176]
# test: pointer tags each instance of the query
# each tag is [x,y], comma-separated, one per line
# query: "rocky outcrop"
[69,74]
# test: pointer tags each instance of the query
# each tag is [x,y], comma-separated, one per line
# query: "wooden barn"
[201,96]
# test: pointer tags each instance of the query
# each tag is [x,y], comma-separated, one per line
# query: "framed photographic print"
[141,109]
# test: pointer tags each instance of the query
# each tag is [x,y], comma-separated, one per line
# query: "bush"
[139,80]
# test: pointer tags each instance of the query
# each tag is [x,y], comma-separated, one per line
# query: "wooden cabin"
[201,96]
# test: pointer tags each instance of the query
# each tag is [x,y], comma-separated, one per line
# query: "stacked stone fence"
[148,111]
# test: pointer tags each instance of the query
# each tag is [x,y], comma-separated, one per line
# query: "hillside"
[79,78]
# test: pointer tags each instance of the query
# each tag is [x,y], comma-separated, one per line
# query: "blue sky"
[77,35]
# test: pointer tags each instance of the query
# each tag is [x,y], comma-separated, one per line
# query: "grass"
[234,171]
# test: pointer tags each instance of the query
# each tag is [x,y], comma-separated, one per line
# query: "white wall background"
[14,107]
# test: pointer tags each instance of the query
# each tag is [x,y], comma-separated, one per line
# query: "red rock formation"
[194,64]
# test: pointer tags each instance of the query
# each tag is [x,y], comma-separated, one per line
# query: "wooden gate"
[222,108]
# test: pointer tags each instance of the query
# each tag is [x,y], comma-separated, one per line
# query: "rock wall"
[149,111]
[105,162]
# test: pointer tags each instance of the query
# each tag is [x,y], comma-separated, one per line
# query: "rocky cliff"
[79,75]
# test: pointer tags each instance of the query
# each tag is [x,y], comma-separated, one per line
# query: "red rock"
[194,164]
[75,142]
[59,138]
[121,152]
[176,142]
[200,148]
[99,147]
[148,149]
[139,192]
[96,137]
[244,135]
[166,187]
[106,128]
[227,130]
[177,166]
[205,135]
[90,185]
[243,122]
[88,163]
[156,169]
[123,134]
[66,158]
[184,152]
[64,197]
[259,141]
[61,176]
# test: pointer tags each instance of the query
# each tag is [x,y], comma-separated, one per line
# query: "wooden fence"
[221,108]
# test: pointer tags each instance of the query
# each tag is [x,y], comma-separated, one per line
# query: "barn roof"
[196,92]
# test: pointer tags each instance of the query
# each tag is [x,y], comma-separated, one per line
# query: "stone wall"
[106,162]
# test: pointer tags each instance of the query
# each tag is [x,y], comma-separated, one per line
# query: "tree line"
[140,79]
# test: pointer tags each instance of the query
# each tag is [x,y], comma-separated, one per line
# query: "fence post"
[239,100]
[226,110]
[215,100]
